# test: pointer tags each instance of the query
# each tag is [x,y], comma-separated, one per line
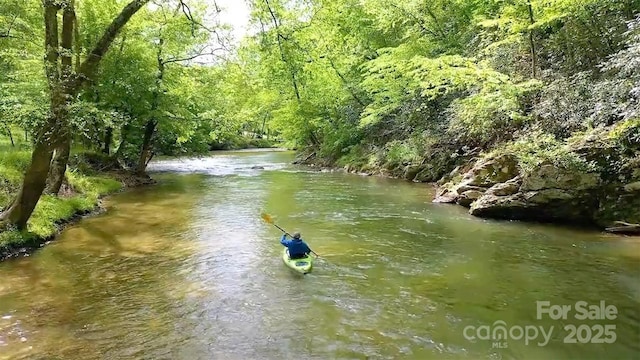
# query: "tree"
[177,39]
[64,84]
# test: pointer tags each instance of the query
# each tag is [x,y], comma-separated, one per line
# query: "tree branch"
[345,82]
[195,23]
[68,21]
[89,66]
[7,34]
[197,55]
[76,39]
[294,81]
[51,41]
[416,19]
[187,13]
[437,21]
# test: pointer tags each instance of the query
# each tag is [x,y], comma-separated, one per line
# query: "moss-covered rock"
[484,174]
[594,178]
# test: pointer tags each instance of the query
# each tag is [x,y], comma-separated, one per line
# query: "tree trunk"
[150,127]
[108,137]
[532,44]
[35,177]
[32,187]
[123,139]
[62,147]
[146,146]
[279,38]
[13,144]
[58,166]
[77,43]
[264,123]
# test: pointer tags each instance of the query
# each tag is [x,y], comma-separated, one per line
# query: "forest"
[518,109]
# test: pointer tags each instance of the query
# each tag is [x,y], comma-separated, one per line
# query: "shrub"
[539,148]
[491,116]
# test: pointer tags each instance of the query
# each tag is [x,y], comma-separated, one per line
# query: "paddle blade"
[266,217]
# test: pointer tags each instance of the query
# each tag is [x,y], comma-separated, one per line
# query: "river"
[187,269]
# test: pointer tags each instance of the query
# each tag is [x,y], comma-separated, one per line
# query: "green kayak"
[302,266]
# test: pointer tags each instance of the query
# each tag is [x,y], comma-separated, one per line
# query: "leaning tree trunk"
[32,187]
[59,165]
[10,134]
[35,177]
[145,154]
[63,145]
[124,131]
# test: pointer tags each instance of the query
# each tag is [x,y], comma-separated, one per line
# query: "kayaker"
[297,247]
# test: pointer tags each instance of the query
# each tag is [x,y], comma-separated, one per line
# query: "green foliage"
[50,210]
[378,84]
[537,148]
[12,238]
[392,80]
[626,134]
[491,115]
[357,157]
[383,84]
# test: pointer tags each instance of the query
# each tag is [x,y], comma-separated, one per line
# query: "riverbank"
[241,143]
[590,179]
[90,177]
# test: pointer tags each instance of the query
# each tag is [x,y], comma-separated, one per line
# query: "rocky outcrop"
[465,188]
[606,194]
[548,193]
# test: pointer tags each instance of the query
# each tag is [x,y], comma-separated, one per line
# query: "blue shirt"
[296,246]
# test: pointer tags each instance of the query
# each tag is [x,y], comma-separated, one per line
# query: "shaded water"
[187,270]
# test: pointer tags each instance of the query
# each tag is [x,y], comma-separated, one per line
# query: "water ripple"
[188,270]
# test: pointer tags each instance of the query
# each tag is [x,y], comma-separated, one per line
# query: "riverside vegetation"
[524,109]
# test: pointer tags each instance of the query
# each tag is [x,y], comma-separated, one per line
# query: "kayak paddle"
[267,218]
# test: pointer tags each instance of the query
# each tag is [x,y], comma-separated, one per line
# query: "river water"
[187,270]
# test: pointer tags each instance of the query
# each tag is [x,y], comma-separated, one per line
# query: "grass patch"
[13,163]
[92,185]
[13,237]
[51,211]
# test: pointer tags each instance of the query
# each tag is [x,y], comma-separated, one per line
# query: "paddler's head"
[296,235]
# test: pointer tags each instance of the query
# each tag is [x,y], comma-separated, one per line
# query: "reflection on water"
[186,270]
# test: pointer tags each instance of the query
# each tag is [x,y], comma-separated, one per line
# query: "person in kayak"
[298,249]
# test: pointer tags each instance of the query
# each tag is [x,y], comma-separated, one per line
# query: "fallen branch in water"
[305,159]
[624,228]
